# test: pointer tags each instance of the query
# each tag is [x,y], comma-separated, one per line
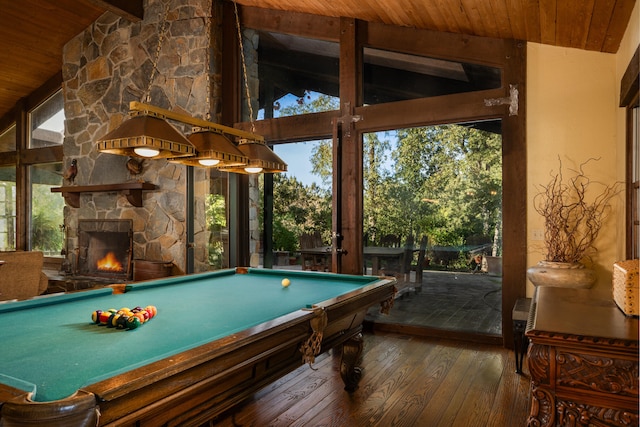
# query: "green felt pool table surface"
[51,347]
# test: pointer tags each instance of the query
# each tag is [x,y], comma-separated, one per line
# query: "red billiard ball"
[152,310]
[104,317]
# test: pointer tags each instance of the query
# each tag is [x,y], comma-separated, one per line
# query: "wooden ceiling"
[596,25]
[33,32]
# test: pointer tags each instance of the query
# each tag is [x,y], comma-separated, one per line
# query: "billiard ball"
[152,310]
[286,282]
[113,320]
[122,321]
[133,322]
[104,317]
[95,316]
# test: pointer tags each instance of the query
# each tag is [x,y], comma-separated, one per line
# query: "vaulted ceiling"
[33,32]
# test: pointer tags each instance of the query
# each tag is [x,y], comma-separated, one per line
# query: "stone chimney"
[104,68]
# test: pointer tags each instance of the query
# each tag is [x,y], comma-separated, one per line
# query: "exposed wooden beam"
[133,10]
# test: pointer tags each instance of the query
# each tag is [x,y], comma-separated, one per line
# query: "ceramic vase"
[561,274]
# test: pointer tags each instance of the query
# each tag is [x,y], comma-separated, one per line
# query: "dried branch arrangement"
[572,220]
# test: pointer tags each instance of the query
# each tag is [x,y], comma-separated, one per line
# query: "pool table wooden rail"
[196,385]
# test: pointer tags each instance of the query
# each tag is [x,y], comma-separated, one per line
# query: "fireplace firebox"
[105,248]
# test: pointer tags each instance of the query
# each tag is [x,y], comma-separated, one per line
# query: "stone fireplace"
[105,248]
[104,68]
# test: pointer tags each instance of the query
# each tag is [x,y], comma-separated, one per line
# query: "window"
[46,231]
[46,122]
[31,216]
[8,140]
[298,75]
[630,99]
[7,208]
[633,184]
[394,76]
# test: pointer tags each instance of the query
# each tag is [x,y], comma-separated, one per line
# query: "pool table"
[217,338]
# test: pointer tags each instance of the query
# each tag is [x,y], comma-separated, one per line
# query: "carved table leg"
[351,357]
[542,408]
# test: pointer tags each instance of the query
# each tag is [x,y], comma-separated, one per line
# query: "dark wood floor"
[408,381]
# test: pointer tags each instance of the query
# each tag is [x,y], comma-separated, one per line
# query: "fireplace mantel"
[132,190]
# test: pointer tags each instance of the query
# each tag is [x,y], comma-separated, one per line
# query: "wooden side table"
[583,361]
[520,315]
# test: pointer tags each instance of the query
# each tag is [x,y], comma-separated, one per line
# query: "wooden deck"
[408,381]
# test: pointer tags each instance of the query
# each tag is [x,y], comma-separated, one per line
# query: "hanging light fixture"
[213,149]
[147,134]
[261,159]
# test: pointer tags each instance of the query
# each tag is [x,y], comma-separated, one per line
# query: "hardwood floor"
[407,381]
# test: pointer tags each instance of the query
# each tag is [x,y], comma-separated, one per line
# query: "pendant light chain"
[162,17]
[244,69]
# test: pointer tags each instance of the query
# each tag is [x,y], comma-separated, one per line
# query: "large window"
[31,216]
[389,79]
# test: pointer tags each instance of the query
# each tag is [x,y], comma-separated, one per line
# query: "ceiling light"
[146,135]
[212,149]
[146,152]
[261,158]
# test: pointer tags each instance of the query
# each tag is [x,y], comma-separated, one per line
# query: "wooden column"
[514,177]
[347,157]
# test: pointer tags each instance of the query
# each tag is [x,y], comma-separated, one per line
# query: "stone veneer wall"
[250,43]
[106,67]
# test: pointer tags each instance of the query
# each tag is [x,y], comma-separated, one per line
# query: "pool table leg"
[351,357]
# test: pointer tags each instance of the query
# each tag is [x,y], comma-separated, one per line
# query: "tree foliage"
[458,171]
[298,209]
[442,181]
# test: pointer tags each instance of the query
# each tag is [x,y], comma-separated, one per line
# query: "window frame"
[353,35]
[23,157]
[630,100]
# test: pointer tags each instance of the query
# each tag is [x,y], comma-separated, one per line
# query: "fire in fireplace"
[109,263]
[105,248]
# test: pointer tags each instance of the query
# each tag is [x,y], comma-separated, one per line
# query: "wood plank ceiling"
[596,25]
[33,32]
